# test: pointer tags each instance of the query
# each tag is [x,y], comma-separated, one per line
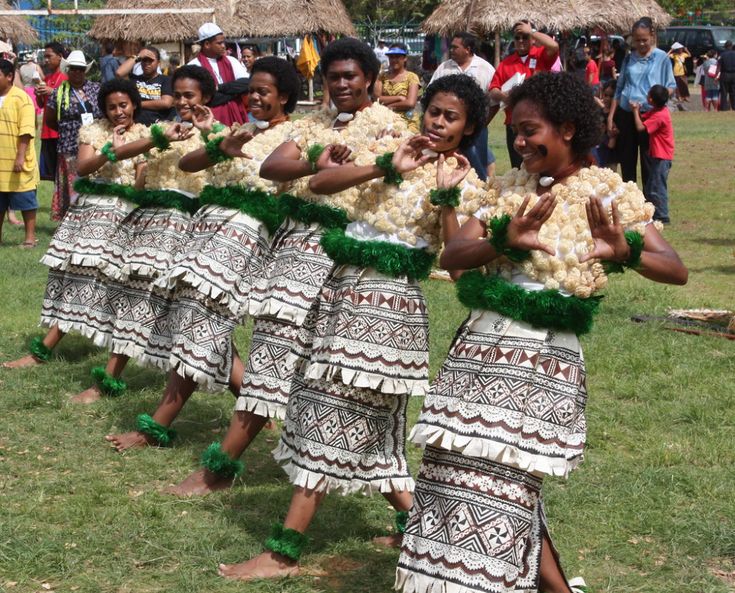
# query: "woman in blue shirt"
[645,66]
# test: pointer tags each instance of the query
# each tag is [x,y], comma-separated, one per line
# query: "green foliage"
[390,10]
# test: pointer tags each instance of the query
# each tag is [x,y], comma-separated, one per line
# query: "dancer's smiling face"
[119,109]
[348,85]
[445,121]
[544,147]
[265,102]
[187,95]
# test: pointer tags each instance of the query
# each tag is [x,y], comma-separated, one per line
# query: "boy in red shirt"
[657,122]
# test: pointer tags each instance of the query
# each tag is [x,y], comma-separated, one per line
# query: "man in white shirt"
[462,60]
[223,68]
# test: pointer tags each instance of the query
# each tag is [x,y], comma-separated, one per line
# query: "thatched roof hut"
[484,17]
[258,18]
[158,28]
[16,28]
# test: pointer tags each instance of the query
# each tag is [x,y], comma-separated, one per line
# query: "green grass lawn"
[650,510]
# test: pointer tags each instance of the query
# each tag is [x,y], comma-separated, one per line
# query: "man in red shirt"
[526,61]
[52,55]
[657,123]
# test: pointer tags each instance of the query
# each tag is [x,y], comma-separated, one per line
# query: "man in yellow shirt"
[18,169]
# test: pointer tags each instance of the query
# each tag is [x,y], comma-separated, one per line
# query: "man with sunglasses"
[534,52]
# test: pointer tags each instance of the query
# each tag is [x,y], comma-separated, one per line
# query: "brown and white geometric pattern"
[369,330]
[339,437]
[225,258]
[295,272]
[76,301]
[509,392]
[269,369]
[82,234]
[145,243]
[476,526]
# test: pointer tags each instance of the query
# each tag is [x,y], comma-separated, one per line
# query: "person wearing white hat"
[679,54]
[71,106]
[213,57]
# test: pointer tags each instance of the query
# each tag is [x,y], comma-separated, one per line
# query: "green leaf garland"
[545,309]
[636,243]
[390,259]
[446,196]
[214,151]
[39,349]
[254,202]
[385,163]
[158,137]
[311,212]
[498,238]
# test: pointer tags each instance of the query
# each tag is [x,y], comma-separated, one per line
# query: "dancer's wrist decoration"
[498,238]
[401,521]
[214,150]
[313,153]
[286,542]
[636,243]
[216,129]
[385,163]
[220,463]
[445,196]
[108,152]
[108,384]
[39,349]
[158,137]
[163,435]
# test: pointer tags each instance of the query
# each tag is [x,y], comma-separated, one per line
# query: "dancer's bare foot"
[129,440]
[88,396]
[267,565]
[389,541]
[200,483]
[26,361]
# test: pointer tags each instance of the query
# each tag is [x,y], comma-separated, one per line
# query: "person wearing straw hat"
[71,106]
[213,57]
[678,54]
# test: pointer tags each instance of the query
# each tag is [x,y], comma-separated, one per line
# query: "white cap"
[207,31]
[676,45]
[76,58]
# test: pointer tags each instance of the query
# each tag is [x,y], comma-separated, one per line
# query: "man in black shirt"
[726,68]
[154,88]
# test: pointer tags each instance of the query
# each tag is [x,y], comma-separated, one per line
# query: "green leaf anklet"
[108,384]
[158,137]
[636,243]
[446,196]
[214,150]
[286,542]
[401,520]
[385,162]
[39,349]
[498,238]
[109,152]
[159,433]
[218,462]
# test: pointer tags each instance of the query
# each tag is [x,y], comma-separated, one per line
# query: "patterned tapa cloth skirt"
[476,527]
[506,409]
[225,259]
[370,331]
[363,350]
[138,253]
[295,273]
[81,236]
[76,297]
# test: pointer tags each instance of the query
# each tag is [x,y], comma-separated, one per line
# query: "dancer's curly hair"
[118,85]
[349,48]
[206,81]
[287,81]
[563,98]
[469,92]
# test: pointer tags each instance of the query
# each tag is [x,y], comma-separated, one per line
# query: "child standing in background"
[657,122]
